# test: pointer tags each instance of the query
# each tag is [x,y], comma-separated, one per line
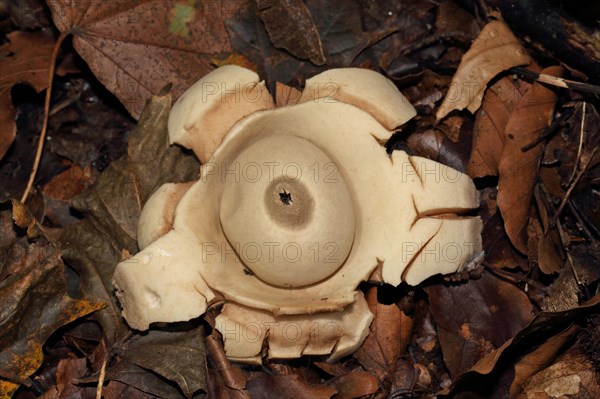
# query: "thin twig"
[575,212]
[556,81]
[567,252]
[590,224]
[102,377]
[581,136]
[576,175]
[572,187]
[40,148]
[515,278]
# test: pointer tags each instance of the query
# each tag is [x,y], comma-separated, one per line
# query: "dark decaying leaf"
[339,28]
[476,318]
[33,298]
[217,388]
[291,27]
[136,47]
[543,326]
[499,252]
[177,356]
[25,59]
[436,145]
[136,377]
[88,132]
[249,37]
[113,204]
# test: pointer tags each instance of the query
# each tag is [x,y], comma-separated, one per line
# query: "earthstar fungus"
[294,207]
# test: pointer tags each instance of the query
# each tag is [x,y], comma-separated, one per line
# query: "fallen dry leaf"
[539,359]
[490,125]
[291,27]
[136,47]
[389,335]
[177,356]
[565,292]
[61,189]
[453,19]
[543,326]
[571,376]
[436,145]
[518,167]
[230,374]
[355,384]
[508,127]
[26,59]
[249,37]
[217,388]
[33,298]
[339,28]
[545,245]
[496,49]
[138,378]
[119,390]
[67,373]
[499,252]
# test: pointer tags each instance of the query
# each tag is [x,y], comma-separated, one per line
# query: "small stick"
[575,212]
[561,234]
[581,136]
[572,187]
[102,377]
[38,155]
[558,82]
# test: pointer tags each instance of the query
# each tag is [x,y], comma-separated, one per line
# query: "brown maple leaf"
[136,47]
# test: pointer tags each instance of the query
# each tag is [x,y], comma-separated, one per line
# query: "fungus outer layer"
[345,197]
